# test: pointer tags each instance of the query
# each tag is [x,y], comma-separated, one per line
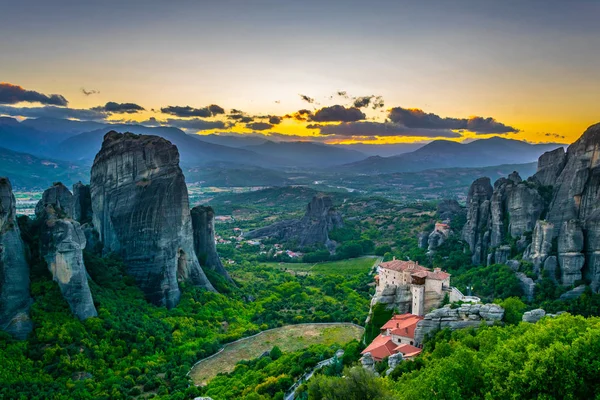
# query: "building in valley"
[397,336]
[398,281]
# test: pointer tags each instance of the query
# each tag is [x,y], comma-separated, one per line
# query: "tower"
[418,299]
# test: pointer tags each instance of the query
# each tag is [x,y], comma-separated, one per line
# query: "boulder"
[203,225]
[368,362]
[533,316]
[393,361]
[320,218]
[141,211]
[15,299]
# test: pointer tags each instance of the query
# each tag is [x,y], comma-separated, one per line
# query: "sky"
[334,71]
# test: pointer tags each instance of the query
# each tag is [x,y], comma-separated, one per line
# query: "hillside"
[447,154]
[308,154]
[30,172]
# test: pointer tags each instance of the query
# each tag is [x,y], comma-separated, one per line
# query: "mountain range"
[34,141]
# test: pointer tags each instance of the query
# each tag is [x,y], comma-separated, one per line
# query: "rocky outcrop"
[203,225]
[141,211]
[573,293]
[527,284]
[423,240]
[62,243]
[398,298]
[500,256]
[393,361]
[448,209]
[368,362]
[550,165]
[60,200]
[475,231]
[15,299]
[465,316]
[82,203]
[320,218]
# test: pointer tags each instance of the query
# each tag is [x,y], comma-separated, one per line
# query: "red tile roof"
[408,350]
[398,265]
[403,325]
[380,348]
[438,275]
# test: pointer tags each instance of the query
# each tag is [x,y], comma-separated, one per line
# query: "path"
[292,392]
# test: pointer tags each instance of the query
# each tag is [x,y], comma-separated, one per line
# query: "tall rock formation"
[15,299]
[62,244]
[475,231]
[565,191]
[320,218]
[203,224]
[82,203]
[141,211]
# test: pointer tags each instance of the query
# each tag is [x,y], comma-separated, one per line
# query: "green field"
[287,338]
[351,266]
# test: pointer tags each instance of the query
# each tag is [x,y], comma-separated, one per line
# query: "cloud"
[12,94]
[195,124]
[259,126]
[370,129]
[300,115]
[187,111]
[307,98]
[53,112]
[275,120]
[89,92]
[119,108]
[338,113]
[416,118]
[555,135]
[363,101]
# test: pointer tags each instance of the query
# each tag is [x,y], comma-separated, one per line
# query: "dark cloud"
[188,112]
[555,135]
[119,108]
[195,124]
[274,120]
[338,113]
[12,94]
[89,92]
[53,112]
[216,110]
[259,126]
[300,115]
[343,93]
[370,129]
[363,101]
[416,118]
[307,98]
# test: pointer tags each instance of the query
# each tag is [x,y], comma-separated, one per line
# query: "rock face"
[82,203]
[570,247]
[62,244]
[320,218]
[15,300]
[203,225]
[141,211]
[475,231]
[466,316]
[541,244]
[423,240]
[550,165]
[448,209]
[527,284]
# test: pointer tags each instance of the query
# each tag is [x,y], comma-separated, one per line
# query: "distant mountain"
[307,154]
[233,140]
[26,171]
[64,126]
[383,150]
[192,149]
[231,175]
[447,154]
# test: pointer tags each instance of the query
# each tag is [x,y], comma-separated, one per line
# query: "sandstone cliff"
[320,218]
[203,224]
[62,243]
[15,299]
[141,211]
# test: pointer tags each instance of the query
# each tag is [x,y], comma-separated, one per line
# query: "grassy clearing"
[287,338]
[352,266]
